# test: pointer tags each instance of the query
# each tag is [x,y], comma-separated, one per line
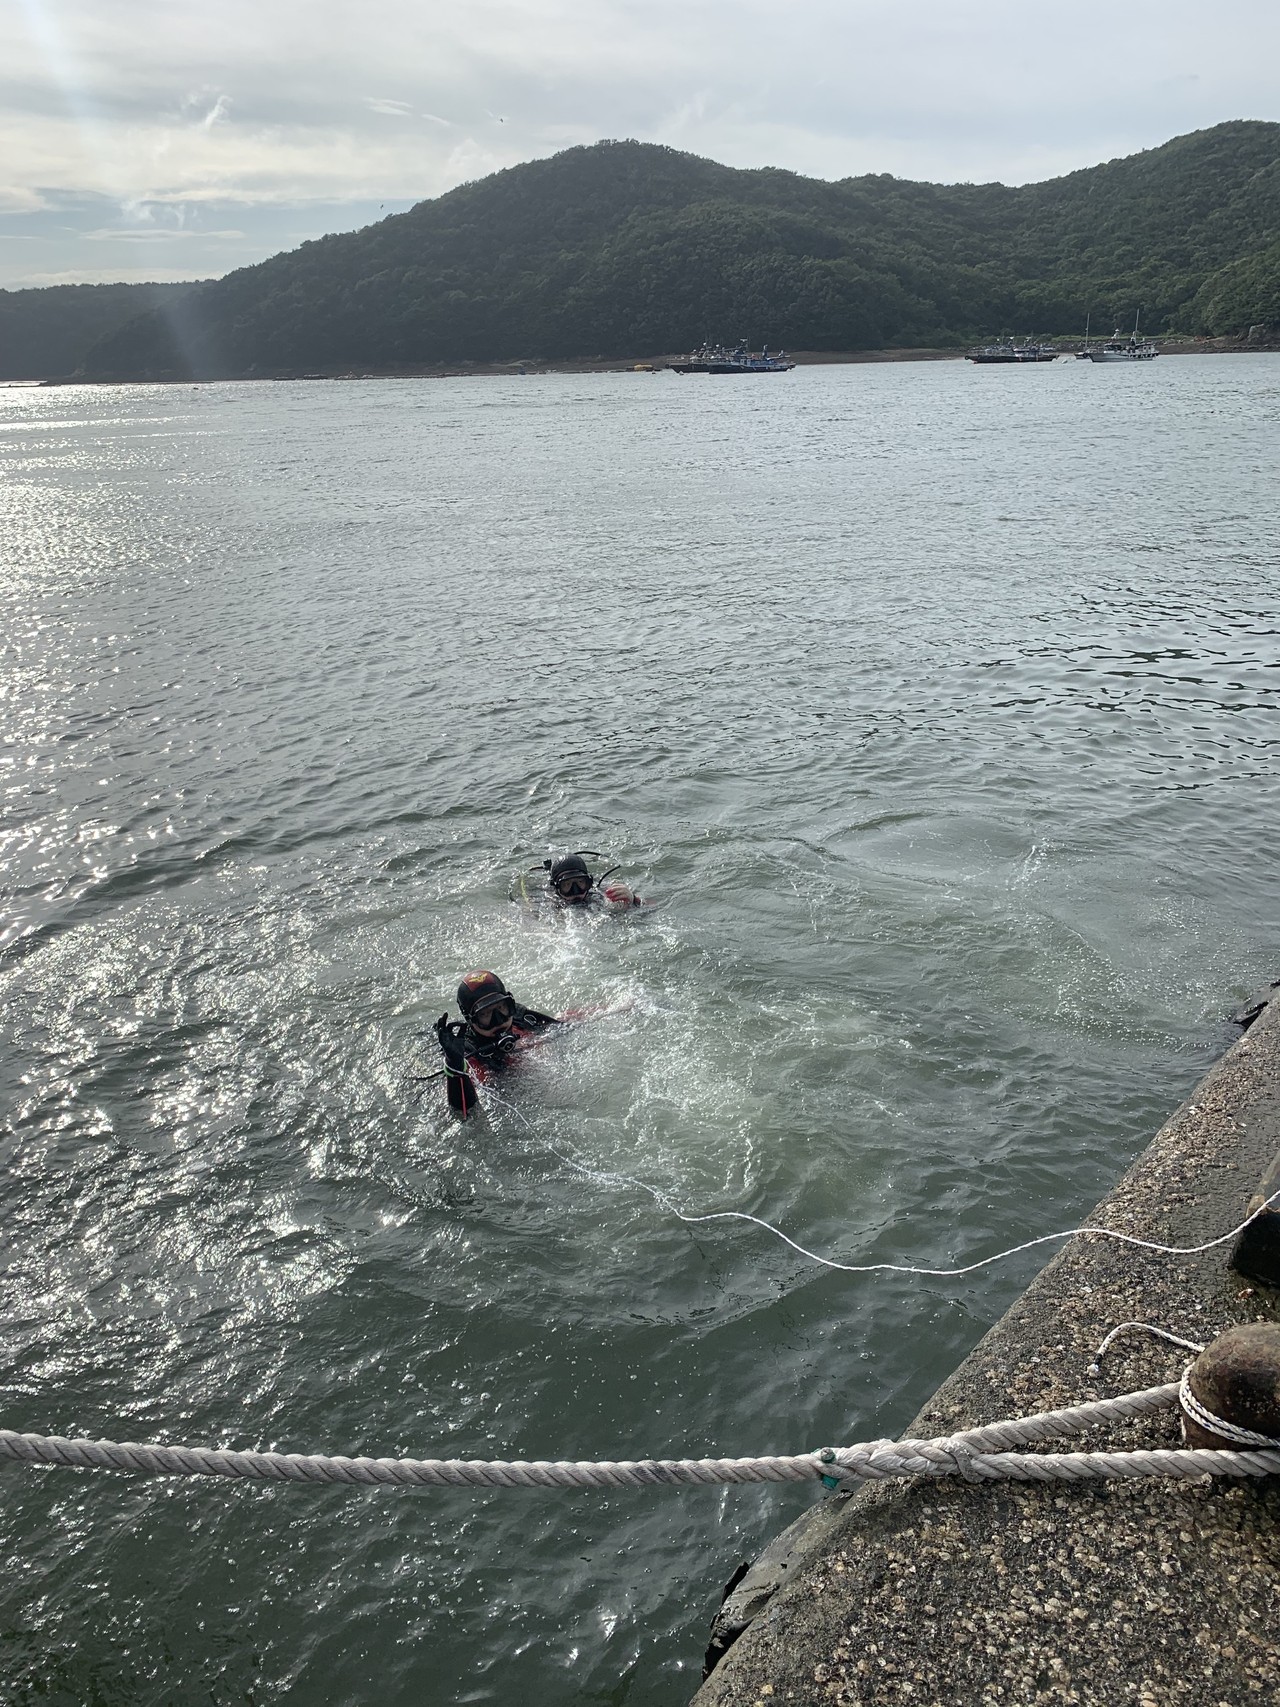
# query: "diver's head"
[571,881]
[486,1004]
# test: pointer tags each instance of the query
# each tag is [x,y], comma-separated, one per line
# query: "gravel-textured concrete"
[944,1594]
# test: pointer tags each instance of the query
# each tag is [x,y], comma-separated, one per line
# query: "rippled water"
[936,705]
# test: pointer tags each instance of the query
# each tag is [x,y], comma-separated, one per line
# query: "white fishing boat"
[1120,349]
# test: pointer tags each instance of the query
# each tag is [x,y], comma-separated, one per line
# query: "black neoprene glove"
[449,1037]
[459,1085]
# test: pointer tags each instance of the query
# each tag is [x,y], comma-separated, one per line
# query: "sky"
[179,139]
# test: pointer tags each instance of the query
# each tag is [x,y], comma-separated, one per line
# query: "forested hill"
[626,249]
[46,332]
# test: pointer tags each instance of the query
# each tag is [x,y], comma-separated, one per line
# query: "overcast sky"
[170,139]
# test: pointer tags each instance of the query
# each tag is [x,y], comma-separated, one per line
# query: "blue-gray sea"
[934,706]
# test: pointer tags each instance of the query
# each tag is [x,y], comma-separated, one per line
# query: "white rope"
[1095,1368]
[1219,1425]
[967,1455]
[661,1198]
[973,1267]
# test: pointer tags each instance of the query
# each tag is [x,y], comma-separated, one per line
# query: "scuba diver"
[493,1032]
[570,883]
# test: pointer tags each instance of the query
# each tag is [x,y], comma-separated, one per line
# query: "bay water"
[935,709]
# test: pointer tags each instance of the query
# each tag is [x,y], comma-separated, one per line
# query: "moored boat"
[715,358]
[1131,349]
[1011,352]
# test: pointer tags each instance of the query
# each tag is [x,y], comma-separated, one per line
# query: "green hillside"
[627,249]
[46,332]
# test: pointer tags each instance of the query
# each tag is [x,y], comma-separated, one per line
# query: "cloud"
[94,238]
[153,233]
[238,162]
[220,109]
[21,200]
[842,85]
[250,106]
[106,275]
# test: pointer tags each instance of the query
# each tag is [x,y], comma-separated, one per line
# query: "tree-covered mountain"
[47,332]
[627,248]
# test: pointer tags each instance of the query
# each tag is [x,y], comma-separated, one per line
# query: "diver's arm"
[529,1019]
[459,1086]
[620,895]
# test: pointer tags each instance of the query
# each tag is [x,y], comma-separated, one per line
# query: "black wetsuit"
[487,1054]
[470,1055]
[615,897]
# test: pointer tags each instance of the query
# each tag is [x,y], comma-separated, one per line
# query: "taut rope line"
[968,1455]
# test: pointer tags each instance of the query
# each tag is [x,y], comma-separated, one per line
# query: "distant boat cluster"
[1116,349]
[720,358]
[715,358]
[1008,351]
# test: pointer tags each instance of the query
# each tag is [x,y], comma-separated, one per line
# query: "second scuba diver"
[570,883]
[494,1030]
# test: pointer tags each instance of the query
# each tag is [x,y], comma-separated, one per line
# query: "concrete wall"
[946,1594]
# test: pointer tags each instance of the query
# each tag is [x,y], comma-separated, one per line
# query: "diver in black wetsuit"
[493,1032]
[571,884]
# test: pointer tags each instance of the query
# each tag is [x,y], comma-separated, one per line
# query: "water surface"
[937,706]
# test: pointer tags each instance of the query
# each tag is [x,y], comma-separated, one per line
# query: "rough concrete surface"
[947,1594]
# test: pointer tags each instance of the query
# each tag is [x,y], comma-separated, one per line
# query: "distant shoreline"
[636,364]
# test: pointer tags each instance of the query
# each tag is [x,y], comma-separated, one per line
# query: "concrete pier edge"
[944,1594]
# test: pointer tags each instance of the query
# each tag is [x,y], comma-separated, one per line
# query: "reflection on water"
[937,707]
